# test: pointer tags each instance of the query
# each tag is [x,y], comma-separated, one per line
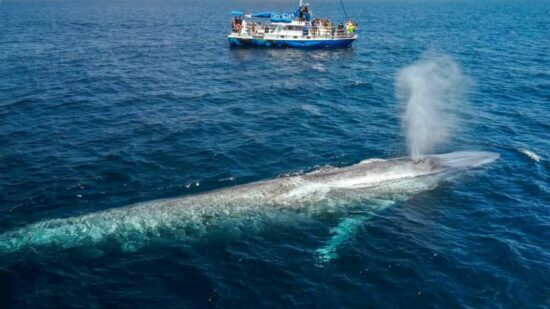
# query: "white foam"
[319,67]
[371,160]
[533,156]
[314,110]
[322,169]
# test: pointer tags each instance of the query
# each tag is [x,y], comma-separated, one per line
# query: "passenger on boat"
[315,26]
[340,32]
[320,26]
[237,24]
[350,26]
[304,13]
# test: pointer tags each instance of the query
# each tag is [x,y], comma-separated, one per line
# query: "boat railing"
[310,32]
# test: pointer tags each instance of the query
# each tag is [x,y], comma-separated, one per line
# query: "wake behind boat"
[299,30]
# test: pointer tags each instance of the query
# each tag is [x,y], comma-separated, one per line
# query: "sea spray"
[431,91]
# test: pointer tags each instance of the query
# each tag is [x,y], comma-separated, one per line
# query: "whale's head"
[376,172]
[459,160]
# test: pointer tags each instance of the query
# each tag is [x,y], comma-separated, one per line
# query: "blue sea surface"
[108,103]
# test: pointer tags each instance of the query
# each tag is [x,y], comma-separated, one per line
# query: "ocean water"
[108,103]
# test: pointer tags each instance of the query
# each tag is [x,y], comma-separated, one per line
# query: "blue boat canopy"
[274,16]
[281,18]
[262,14]
[237,13]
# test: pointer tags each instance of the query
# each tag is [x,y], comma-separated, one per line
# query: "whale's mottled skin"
[311,193]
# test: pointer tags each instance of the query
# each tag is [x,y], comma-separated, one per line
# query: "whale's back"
[310,193]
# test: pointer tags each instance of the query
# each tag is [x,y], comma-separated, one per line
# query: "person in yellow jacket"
[351,26]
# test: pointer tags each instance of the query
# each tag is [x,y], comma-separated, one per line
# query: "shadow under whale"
[326,190]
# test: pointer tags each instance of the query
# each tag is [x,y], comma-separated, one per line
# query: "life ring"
[238,28]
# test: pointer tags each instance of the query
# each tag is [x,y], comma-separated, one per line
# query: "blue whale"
[327,190]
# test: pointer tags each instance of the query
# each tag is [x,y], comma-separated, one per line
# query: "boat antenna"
[343,8]
[301,3]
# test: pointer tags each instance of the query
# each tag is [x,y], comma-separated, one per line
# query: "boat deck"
[314,37]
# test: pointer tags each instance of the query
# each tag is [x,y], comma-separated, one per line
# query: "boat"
[298,30]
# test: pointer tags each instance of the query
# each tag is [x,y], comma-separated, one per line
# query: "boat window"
[297,28]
